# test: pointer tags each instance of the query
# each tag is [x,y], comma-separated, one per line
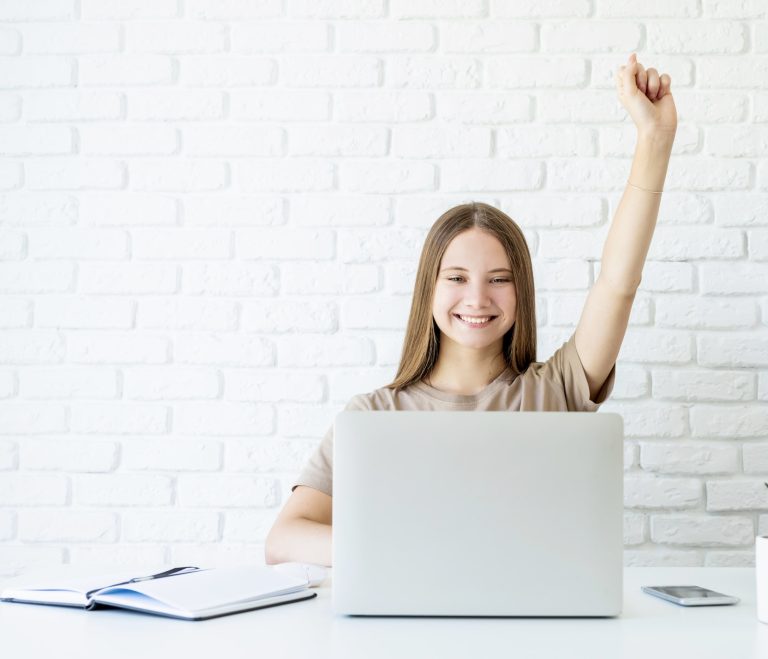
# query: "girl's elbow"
[271,553]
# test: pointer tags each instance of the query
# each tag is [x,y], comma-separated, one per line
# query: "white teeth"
[475,321]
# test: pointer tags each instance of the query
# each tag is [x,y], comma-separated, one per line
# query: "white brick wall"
[211,213]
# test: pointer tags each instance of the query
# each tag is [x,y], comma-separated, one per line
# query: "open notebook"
[186,592]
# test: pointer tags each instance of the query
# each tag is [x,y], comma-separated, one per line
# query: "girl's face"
[485,288]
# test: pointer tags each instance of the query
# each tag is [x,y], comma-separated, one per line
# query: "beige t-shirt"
[557,385]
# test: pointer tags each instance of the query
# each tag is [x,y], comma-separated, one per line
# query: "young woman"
[470,341]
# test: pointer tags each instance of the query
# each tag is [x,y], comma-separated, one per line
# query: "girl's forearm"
[300,540]
[629,236]
[649,166]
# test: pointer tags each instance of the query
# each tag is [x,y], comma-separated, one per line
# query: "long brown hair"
[421,345]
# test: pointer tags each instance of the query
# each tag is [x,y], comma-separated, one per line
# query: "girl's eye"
[499,279]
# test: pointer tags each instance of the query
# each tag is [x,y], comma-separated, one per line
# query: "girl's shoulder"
[384,398]
[378,399]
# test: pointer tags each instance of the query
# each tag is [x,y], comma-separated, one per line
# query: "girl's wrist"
[657,138]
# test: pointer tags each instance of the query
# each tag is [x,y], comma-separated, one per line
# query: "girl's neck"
[467,372]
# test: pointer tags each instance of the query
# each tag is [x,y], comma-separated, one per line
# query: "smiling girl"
[470,341]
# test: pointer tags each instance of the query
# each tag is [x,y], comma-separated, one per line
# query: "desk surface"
[648,627]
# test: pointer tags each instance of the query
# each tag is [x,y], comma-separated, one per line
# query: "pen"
[159,575]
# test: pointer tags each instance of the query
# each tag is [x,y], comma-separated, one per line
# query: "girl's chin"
[481,340]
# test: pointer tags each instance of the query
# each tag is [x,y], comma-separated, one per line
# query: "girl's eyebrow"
[489,272]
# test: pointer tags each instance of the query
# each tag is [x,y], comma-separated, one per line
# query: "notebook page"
[211,588]
[62,588]
[127,599]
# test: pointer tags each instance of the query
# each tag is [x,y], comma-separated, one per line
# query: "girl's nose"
[477,294]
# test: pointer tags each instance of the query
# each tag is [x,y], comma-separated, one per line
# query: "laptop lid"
[469,513]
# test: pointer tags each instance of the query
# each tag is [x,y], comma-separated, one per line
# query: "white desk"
[648,627]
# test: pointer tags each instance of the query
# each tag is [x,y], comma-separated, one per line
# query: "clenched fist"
[647,98]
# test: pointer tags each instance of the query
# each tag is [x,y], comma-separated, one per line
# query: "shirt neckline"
[449,397]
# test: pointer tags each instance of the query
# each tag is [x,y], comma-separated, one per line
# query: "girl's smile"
[476,324]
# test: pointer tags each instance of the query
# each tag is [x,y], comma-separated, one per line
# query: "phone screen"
[688,591]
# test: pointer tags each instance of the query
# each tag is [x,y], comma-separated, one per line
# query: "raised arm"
[647,98]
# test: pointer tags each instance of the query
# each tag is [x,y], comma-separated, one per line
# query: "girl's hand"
[647,98]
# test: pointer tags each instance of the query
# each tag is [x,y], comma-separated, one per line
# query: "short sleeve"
[317,472]
[567,363]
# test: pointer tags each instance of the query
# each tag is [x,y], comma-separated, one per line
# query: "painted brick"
[355,106]
[272,385]
[67,526]
[171,526]
[37,209]
[685,458]
[337,141]
[280,37]
[74,174]
[117,348]
[245,526]
[127,278]
[286,244]
[72,105]
[35,141]
[233,210]
[128,9]
[76,312]
[239,279]
[31,347]
[125,69]
[325,351]
[186,314]
[703,385]
[671,493]
[724,495]
[240,140]
[229,350]
[175,105]
[128,140]
[69,455]
[331,277]
[24,489]
[755,457]
[71,38]
[39,277]
[178,175]
[233,9]
[35,71]
[7,525]
[177,243]
[227,71]
[226,491]
[223,418]
[119,418]
[284,105]
[171,455]
[131,556]
[425,72]
[296,176]
[32,418]
[265,455]
[122,490]
[702,530]
[634,529]
[68,382]
[175,37]
[283,316]
[727,422]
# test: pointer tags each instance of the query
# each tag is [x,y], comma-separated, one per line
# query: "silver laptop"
[477,513]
